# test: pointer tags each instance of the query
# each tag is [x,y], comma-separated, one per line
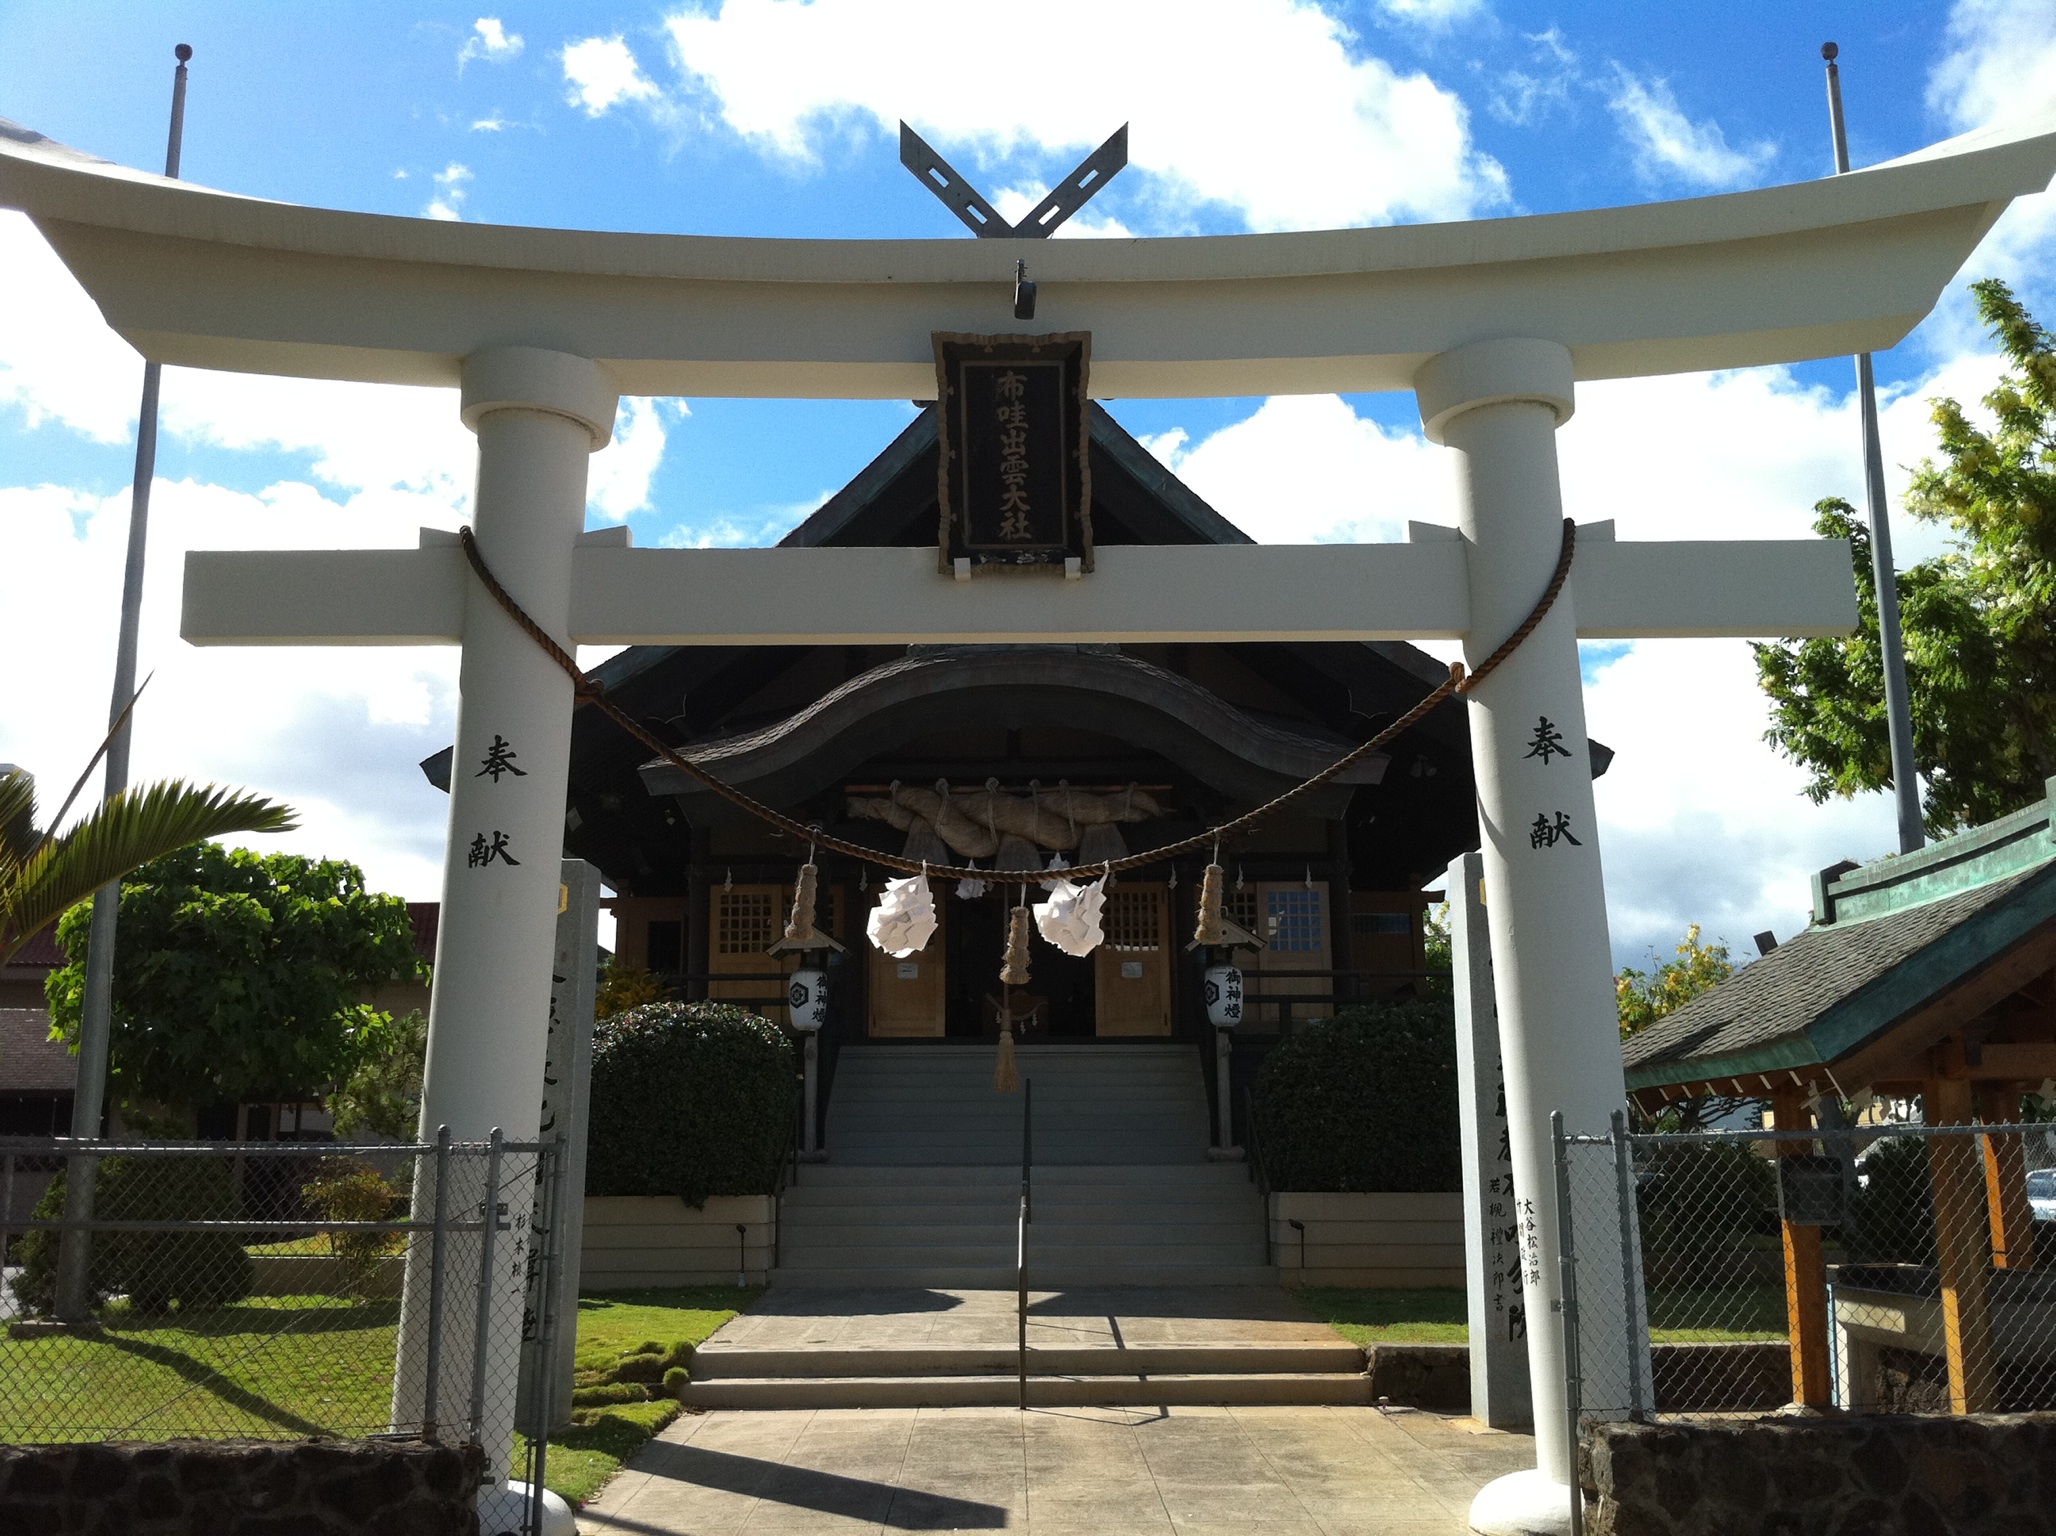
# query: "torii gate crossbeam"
[1492,324]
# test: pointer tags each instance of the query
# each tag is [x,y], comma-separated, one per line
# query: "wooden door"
[1132,969]
[908,996]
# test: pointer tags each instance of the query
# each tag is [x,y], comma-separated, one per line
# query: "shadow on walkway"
[804,1488]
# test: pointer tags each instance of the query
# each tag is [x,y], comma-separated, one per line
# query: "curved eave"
[207,279]
[1115,695]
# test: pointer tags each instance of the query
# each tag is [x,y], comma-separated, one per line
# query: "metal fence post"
[437,1264]
[1624,1178]
[1567,1284]
[546,1334]
[484,1323]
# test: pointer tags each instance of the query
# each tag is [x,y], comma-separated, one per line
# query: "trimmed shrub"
[1365,1101]
[688,1099]
[1691,1192]
[153,1269]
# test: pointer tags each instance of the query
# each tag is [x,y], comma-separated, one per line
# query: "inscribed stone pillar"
[1497,405]
[1491,1235]
[539,416]
[567,1098]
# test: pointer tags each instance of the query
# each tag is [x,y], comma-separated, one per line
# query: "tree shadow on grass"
[222,1322]
[206,1377]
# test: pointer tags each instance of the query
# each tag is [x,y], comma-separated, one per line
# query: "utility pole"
[1898,703]
[74,1298]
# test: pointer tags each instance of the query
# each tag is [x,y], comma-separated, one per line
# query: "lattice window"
[747,922]
[1381,924]
[1240,907]
[1293,919]
[1133,921]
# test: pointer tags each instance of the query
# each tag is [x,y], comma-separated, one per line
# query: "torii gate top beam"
[207,279]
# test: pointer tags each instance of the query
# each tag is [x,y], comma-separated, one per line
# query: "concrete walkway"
[1335,1471]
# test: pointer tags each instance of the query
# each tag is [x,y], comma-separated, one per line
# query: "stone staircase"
[923,1182]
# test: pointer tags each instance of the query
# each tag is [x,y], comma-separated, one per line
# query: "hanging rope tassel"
[1209,929]
[799,927]
[1006,1073]
[1015,972]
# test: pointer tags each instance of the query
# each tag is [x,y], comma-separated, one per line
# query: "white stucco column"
[539,416]
[1498,404]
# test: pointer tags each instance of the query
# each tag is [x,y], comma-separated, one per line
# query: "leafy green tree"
[1646,996]
[1979,621]
[382,1094]
[238,976]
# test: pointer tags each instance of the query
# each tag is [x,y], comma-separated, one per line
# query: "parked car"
[2041,1193]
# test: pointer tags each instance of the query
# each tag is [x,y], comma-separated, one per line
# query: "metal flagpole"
[89,1094]
[1898,704]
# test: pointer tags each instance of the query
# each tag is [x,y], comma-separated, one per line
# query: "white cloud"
[1670,146]
[1433,14]
[1265,108]
[493,124]
[449,196]
[619,480]
[58,360]
[2001,63]
[1526,96]
[602,73]
[491,41]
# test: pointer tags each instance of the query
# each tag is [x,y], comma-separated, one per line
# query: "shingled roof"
[1887,939]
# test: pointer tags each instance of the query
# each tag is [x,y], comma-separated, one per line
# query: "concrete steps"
[973,1376]
[922,1186]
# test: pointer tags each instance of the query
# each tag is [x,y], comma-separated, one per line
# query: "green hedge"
[1364,1101]
[688,1099]
[153,1269]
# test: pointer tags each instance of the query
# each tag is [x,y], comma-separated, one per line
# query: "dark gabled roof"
[1134,497]
[1889,937]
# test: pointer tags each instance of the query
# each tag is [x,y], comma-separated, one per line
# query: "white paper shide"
[904,920]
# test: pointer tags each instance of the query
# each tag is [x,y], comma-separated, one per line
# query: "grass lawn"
[282,1367]
[1436,1315]
[276,1366]
[1428,1315]
[626,1340]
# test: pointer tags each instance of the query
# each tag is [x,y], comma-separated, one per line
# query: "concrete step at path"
[1047,1391]
[941,1346]
[873,1277]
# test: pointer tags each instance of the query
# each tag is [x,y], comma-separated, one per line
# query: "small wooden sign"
[1016,472]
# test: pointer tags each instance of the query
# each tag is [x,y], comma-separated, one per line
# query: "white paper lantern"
[904,920]
[1223,992]
[1070,918]
[806,994]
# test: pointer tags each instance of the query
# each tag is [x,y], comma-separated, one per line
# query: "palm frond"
[17,819]
[118,837]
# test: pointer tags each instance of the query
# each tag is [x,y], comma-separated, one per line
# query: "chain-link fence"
[279,1290]
[1883,1268]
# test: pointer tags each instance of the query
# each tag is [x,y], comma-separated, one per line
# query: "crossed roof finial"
[982,219]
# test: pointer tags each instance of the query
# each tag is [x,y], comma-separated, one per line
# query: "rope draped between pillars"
[589,690]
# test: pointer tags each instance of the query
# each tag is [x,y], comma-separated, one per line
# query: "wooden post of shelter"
[1806,1279]
[2006,1204]
[1962,1235]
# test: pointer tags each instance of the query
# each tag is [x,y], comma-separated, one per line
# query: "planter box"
[633,1241]
[1383,1240]
[313,1274]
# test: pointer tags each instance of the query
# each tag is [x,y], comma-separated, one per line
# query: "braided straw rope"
[591,691]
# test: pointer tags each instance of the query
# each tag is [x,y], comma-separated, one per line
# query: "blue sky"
[769,117]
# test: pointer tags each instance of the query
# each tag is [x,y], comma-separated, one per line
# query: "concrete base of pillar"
[502,1511]
[814,1157]
[1225,1154]
[1522,1504]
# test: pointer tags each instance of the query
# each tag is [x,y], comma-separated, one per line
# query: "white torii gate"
[1491,324]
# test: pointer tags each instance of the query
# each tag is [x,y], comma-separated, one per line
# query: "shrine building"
[1010,756]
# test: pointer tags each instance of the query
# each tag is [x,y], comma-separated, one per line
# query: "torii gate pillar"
[539,416]
[1498,405]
